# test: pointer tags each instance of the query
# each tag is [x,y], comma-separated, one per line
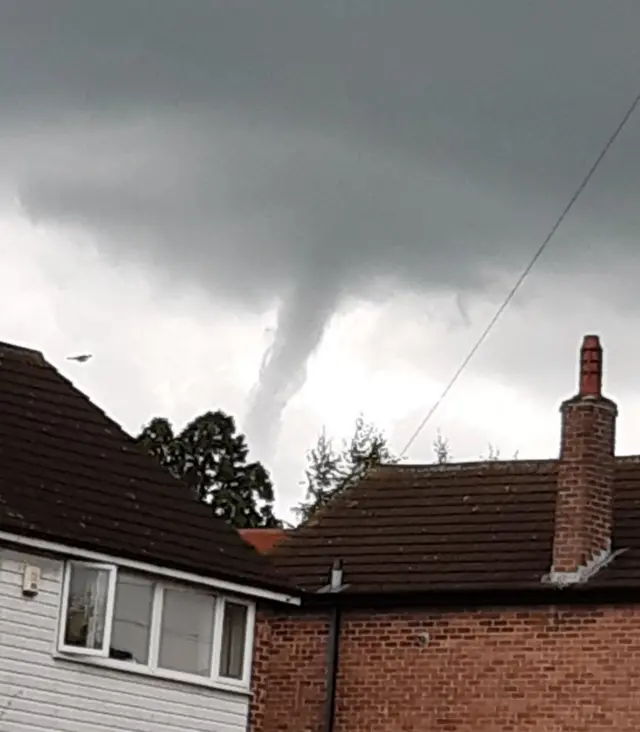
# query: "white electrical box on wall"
[30,580]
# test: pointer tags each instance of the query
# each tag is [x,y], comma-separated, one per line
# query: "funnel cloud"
[305,153]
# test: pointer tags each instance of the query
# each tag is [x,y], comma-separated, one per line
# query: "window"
[234,632]
[89,590]
[132,612]
[170,630]
[186,632]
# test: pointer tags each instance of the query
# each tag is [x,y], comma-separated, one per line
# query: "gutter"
[333,647]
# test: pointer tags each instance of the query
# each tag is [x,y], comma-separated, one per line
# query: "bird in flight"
[83,358]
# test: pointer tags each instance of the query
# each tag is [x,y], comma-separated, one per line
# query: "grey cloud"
[298,153]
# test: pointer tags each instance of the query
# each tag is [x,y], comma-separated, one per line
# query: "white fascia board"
[175,574]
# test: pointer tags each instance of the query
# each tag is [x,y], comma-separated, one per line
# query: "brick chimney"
[584,503]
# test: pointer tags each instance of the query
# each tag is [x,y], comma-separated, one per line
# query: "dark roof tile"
[469,526]
[70,474]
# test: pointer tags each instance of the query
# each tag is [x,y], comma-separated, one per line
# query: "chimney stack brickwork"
[584,507]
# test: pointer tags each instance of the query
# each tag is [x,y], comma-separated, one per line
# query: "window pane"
[234,634]
[87,607]
[186,632]
[132,618]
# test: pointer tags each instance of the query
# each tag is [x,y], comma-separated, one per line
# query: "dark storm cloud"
[296,153]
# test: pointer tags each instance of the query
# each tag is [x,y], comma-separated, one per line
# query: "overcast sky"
[301,211]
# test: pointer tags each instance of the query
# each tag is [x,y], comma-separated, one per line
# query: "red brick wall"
[289,673]
[545,669]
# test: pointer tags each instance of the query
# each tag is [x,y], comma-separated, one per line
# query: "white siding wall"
[39,693]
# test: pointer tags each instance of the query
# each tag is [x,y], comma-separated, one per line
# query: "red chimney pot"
[591,367]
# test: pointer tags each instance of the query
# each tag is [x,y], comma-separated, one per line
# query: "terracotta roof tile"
[469,526]
[264,540]
[70,474]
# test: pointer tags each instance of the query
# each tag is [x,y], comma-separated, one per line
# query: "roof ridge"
[12,349]
[496,465]
[630,459]
[526,464]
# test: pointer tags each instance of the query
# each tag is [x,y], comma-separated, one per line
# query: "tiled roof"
[471,526]
[264,540]
[70,474]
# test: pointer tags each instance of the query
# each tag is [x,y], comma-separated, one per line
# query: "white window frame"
[108,621]
[248,639]
[101,656]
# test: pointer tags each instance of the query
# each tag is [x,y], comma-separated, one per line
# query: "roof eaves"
[290,595]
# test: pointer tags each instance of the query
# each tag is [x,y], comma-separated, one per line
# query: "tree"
[330,471]
[493,453]
[441,449]
[212,459]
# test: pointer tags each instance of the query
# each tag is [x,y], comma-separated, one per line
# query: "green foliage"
[330,471]
[211,457]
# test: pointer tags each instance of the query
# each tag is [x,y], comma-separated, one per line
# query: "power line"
[483,336]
